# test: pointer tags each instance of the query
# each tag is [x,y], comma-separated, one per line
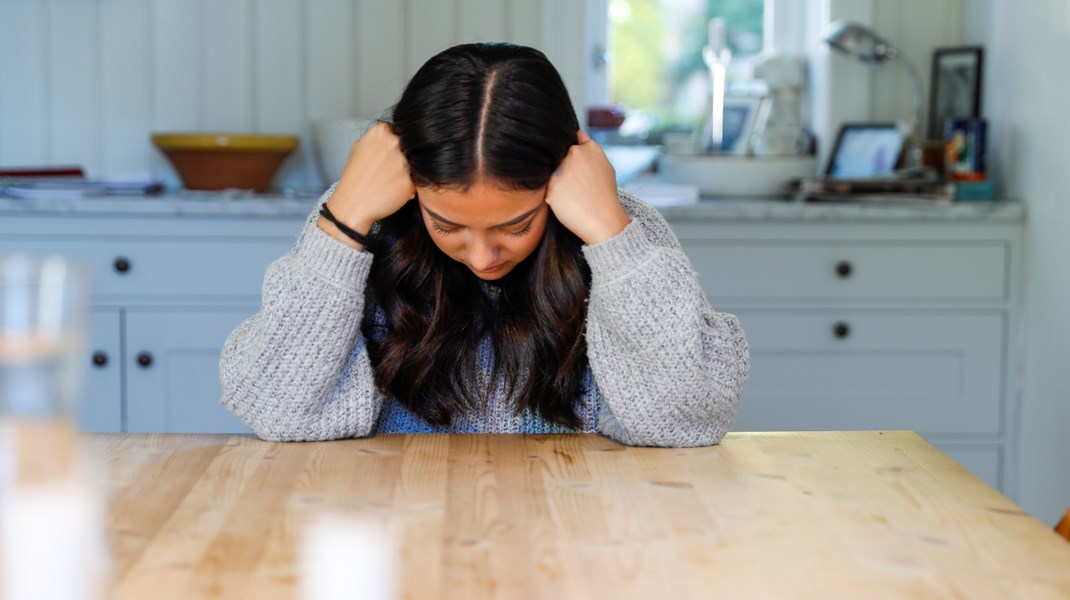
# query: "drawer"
[850,270]
[869,370]
[161,268]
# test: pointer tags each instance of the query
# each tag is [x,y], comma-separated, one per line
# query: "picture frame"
[955,89]
[865,151]
[740,115]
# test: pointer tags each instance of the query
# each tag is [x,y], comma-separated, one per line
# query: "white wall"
[845,90]
[87,81]
[917,28]
[1028,87]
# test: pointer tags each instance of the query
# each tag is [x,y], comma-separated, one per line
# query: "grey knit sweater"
[665,369]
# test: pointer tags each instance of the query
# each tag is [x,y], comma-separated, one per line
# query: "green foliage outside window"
[656,48]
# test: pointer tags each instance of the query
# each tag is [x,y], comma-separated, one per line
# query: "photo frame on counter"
[865,151]
[955,89]
[740,115]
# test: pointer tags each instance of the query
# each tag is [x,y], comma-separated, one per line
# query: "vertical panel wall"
[88,82]
[24,50]
[227,76]
[381,51]
[917,27]
[73,71]
[126,95]
[846,90]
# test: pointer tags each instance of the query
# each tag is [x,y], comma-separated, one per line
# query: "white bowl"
[332,139]
[737,176]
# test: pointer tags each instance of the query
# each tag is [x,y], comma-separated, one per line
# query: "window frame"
[786,25]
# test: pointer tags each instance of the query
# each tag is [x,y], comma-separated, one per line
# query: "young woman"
[476,270]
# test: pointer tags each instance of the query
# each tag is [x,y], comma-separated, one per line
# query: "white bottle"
[717,57]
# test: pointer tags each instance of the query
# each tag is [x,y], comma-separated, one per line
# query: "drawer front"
[840,271]
[839,370]
[124,268]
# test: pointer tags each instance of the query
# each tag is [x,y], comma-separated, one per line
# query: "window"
[655,68]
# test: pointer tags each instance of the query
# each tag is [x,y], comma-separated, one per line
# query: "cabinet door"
[100,407]
[983,461]
[173,369]
[826,369]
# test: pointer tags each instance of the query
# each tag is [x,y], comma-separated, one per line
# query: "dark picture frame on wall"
[956,86]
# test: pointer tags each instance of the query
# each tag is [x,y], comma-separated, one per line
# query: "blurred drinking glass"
[51,541]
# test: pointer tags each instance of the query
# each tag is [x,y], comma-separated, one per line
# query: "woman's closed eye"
[523,231]
[446,231]
[440,229]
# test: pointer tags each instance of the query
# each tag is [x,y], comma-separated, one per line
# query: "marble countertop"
[755,209]
[705,209]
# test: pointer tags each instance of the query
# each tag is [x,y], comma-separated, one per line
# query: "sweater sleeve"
[298,370]
[669,368]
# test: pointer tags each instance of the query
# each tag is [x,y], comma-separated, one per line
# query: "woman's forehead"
[480,205]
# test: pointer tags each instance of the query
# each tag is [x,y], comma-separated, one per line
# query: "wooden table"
[837,515]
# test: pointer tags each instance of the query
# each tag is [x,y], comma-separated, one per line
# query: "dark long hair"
[498,113]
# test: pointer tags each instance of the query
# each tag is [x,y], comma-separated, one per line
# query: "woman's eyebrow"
[506,224]
[520,218]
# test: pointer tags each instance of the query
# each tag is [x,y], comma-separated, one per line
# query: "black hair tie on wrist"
[351,233]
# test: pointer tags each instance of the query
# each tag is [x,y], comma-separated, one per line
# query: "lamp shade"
[859,41]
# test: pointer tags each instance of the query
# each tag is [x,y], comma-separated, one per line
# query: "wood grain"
[844,514]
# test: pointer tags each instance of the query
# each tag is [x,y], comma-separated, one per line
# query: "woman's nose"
[482,254]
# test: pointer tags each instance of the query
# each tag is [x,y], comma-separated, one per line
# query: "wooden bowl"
[219,161]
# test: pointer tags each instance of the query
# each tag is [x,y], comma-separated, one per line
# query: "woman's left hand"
[583,193]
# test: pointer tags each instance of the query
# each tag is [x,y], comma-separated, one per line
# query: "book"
[878,189]
[47,187]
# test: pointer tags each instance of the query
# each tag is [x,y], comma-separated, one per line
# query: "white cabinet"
[166,293]
[100,407]
[163,266]
[820,369]
[173,373]
[864,325]
[843,271]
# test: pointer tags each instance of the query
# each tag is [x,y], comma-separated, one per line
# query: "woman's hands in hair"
[375,184]
[583,193]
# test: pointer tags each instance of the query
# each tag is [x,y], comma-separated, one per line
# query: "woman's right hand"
[375,183]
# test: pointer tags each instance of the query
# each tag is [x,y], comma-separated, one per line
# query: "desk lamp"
[864,44]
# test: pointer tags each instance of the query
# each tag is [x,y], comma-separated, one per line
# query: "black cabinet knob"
[843,269]
[144,359]
[122,264]
[100,358]
[841,330]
